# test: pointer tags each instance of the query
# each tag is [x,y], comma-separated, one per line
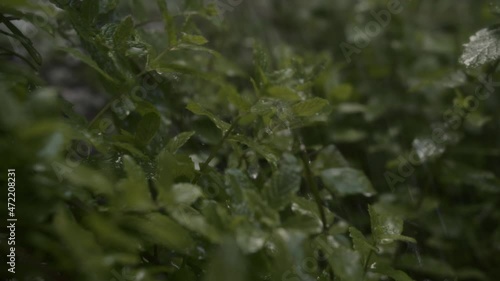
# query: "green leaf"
[261,63]
[328,157]
[347,181]
[108,232]
[173,167]
[262,150]
[92,179]
[86,252]
[395,274]
[307,223]
[169,23]
[250,238]
[191,219]
[310,107]
[87,60]
[147,128]
[346,263]
[178,141]
[386,227]
[193,39]
[127,147]
[89,10]
[123,33]
[133,191]
[199,110]
[284,93]
[361,244]
[227,264]
[482,47]
[285,182]
[181,193]
[234,97]
[160,229]
[301,205]
[25,41]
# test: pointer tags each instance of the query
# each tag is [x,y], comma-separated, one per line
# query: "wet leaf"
[347,181]
[482,47]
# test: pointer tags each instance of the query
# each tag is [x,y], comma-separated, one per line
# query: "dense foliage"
[252,140]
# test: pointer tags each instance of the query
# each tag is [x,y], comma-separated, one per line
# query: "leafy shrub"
[212,140]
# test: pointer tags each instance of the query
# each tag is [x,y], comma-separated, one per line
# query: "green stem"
[367,262]
[312,186]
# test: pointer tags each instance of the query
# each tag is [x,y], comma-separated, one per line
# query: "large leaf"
[361,244]
[160,229]
[147,128]
[181,193]
[133,192]
[483,47]
[178,141]
[386,227]
[285,182]
[88,60]
[347,181]
[199,110]
[310,107]
[172,167]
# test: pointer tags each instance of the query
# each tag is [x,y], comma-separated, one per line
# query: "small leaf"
[346,263]
[386,227]
[347,181]
[483,47]
[250,239]
[301,205]
[395,274]
[87,60]
[227,263]
[127,147]
[307,223]
[330,157]
[89,10]
[361,244]
[172,167]
[87,252]
[310,107]
[261,64]
[234,97]
[133,191]
[199,110]
[181,193]
[160,229]
[92,179]
[191,219]
[123,32]
[193,39]
[283,93]
[263,150]
[147,128]
[169,22]
[178,141]
[285,182]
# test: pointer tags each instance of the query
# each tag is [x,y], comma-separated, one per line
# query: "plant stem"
[312,186]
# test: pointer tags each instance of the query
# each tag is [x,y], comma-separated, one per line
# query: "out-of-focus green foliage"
[252,140]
